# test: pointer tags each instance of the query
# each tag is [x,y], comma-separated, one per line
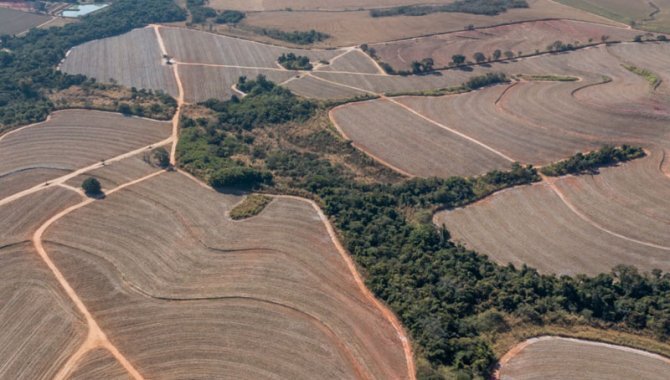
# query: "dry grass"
[185,292]
[14,21]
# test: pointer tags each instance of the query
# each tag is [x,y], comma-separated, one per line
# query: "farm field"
[265,5]
[574,225]
[357,27]
[406,184]
[561,358]
[526,37]
[648,15]
[245,288]
[412,145]
[14,21]
[133,59]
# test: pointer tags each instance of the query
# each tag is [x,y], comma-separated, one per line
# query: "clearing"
[14,22]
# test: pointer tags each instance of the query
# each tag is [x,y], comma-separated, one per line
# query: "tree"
[662,37]
[508,54]
[496,54]
[637,38]
[125,109]
[479,57]
[162,157]
[458,59]
[91,186]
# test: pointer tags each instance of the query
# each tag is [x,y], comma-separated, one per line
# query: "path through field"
[96,337]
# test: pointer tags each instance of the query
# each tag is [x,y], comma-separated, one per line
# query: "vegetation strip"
[252,205]
[589,163]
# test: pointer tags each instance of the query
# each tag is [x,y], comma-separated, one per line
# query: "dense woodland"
[451,299]
[28,71]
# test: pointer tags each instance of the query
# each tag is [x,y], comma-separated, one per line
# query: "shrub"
[229,17]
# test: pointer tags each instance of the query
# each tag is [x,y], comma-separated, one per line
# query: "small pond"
[78,10]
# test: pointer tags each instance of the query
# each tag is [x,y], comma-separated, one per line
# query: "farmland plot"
[205,82]
[229,298]
[311,87]
[133,59]
[99,364]
[74,139]
[354,61]
[207,48]
[357,27]
[647,15]
[273,5]
[575,225]
[15,181]
[13,21]
[525,37]
[39,329]
[562,358]
[407,142]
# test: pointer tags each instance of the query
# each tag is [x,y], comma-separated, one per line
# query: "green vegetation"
[91,187]
[487,79]
[653,79]
[549,78]
[590,162]
[251,205]
[479,7]
[161,157]
[422,67]
[229,17]
[453,301]
[199,12]
[291,61]
[28,73]
[296,37]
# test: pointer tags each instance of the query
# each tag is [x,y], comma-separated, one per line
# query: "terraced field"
[560,358]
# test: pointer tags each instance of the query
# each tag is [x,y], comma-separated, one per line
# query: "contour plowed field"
[74,139]
[357,27]
[578,225]
[99,364]
[556,358]
[405,141]
[525,37]
[197,294]
[39,328]
[133,59]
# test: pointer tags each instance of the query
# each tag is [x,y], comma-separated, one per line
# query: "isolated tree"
[508,54]
[604,38]
[91,186]
[496,54]
[458,59]
[662,37]
[479,57]
[161,157]
[125,109]
[638,38]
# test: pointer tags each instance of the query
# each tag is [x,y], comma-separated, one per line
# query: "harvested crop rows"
[132,59]
[525,37]
[221,286]
[357,27]
[561,358]
[574,225]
